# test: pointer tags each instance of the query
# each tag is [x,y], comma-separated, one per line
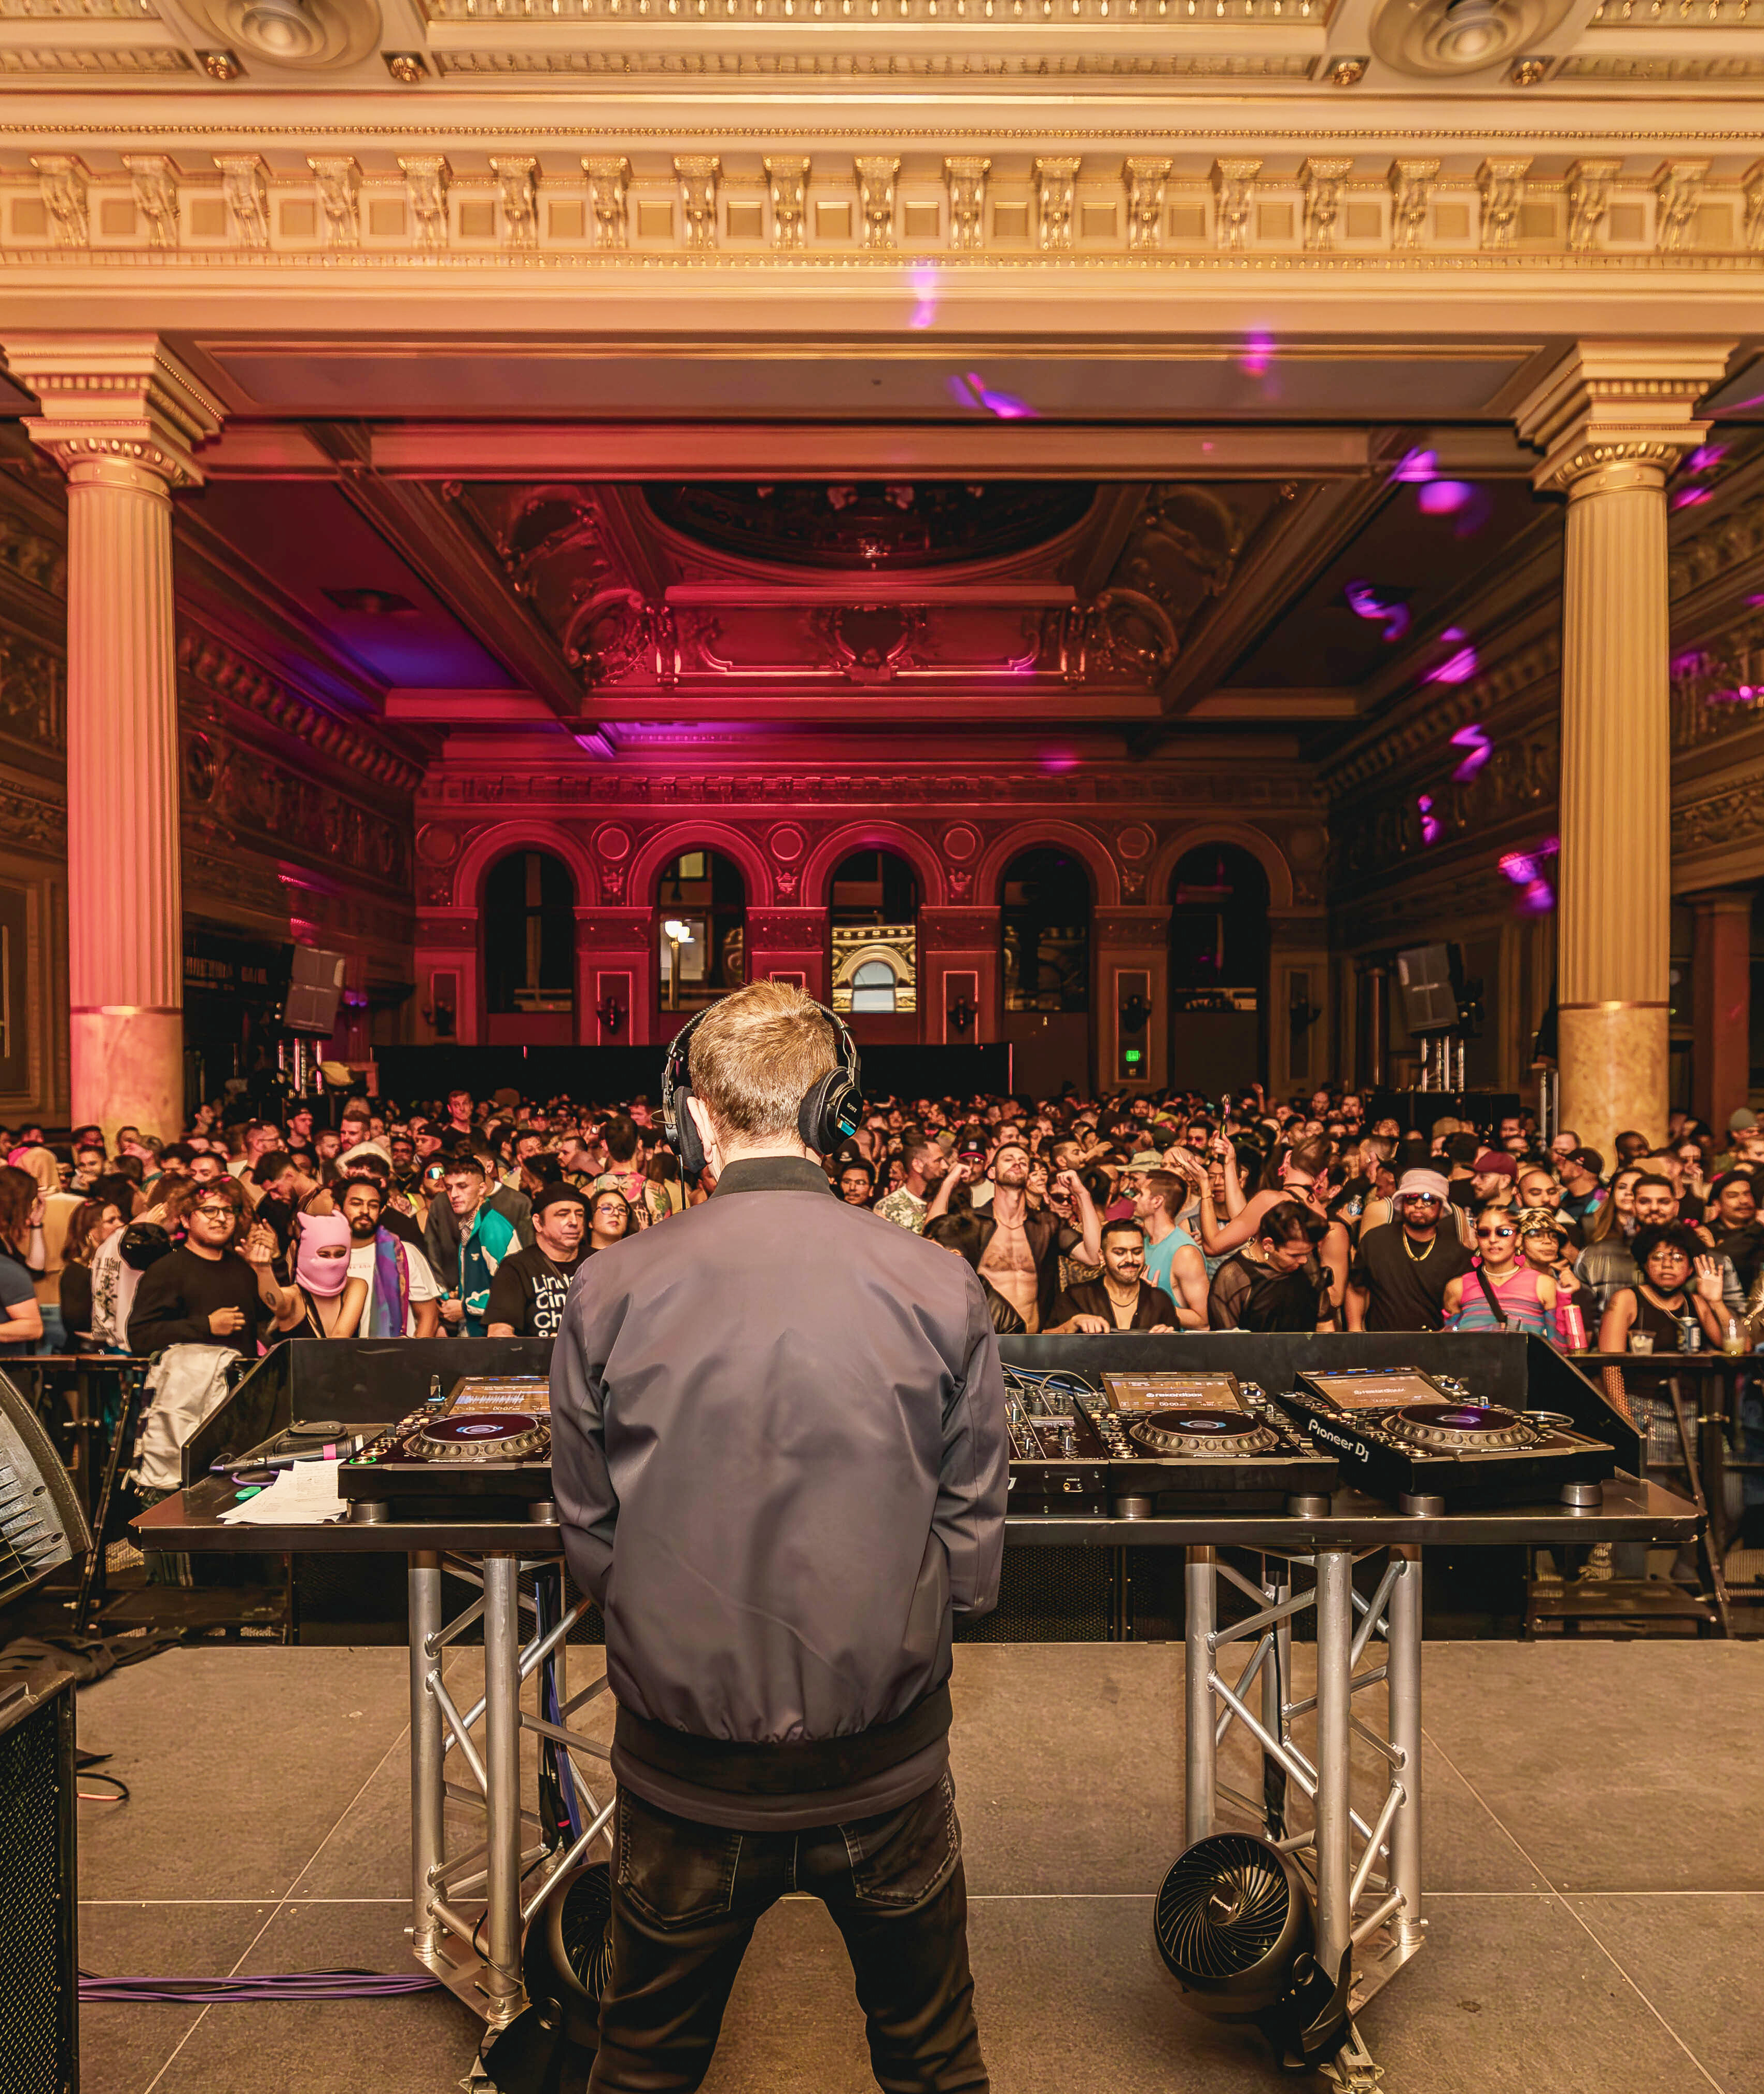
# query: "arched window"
[1046,931]
[873,934]
[873,986]
[530,936]
[701,909]
[1218,968]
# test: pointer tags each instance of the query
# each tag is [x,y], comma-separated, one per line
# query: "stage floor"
[1594,1880]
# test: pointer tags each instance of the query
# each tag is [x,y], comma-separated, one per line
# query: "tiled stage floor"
[1594,1874]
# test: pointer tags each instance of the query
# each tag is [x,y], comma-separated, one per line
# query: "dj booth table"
[468,1911]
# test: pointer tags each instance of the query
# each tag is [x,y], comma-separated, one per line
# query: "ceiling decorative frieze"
[614,209]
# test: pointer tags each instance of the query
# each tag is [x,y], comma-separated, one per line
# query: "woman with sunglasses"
[1501,1290]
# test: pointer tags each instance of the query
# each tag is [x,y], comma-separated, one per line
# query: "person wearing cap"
[1493,1179]
[1403,1266]
[529,1288]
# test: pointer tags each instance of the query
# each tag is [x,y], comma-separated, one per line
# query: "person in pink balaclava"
[323,1301]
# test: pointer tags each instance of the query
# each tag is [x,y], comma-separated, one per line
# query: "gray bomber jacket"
[781,1461]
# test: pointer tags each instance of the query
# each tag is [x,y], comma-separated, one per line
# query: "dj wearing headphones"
[780,1461]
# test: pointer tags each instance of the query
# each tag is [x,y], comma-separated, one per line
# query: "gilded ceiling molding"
[609,178]
[875,199]
[1146,182]
[1056,188]
[425,179]
[1323,179]
[154,179]
[696,173]
[1233,187]
[1501,185]
[340,189]
[1589,199]
[247,183]
[1411,190]
[1678,185]
[965,178]
[63,182]
[516,176]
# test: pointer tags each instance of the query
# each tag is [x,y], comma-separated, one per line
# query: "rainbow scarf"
[389,1309]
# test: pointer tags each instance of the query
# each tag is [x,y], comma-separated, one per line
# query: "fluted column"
[122,417]
[1613,419]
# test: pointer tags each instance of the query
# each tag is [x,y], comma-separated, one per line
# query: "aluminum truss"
[468,1909]
[1366,1869]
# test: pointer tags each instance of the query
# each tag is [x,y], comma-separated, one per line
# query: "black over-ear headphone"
[828,1115]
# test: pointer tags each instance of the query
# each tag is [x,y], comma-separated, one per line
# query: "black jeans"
[686,1898]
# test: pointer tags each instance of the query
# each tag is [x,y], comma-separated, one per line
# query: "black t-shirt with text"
[1406,1285]
[529,1292]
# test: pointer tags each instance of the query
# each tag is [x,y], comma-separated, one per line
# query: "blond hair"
[755,1056]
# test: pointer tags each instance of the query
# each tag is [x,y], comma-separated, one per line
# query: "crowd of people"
[1163,1213]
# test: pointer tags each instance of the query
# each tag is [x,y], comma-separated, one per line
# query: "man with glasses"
[206,1293]
[1404,1265]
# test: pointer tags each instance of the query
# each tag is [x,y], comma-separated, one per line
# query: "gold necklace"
[1425,1254]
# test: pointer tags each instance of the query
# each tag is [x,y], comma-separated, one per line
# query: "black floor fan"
[1234,1927]
[549,2048]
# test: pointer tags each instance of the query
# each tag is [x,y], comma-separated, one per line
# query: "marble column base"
[1613,1061]
[127,1069]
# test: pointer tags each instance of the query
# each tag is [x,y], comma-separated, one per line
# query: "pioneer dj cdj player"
[488,1440]
[1407,1437]
[1148,1443]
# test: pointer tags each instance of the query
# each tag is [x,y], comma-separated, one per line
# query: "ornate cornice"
[116,399]
[1618,404]
[218,668]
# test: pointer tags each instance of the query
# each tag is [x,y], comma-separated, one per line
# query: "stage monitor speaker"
[1428,977]
[39,1943]
[41,1526]
[315,990]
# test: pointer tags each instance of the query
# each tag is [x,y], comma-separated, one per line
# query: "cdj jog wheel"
[1461,1427]
[505,1435]
[1203,1432]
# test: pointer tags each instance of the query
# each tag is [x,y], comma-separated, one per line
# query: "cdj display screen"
[1376,1391]
[476,1393]
[1174,1392]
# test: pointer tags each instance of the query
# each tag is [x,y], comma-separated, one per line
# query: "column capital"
[115,405]
[1618,413]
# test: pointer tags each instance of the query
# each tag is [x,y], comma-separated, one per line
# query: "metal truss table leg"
[426,1797]
[502,1788]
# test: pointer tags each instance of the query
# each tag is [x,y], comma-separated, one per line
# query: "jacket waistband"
[790,1770]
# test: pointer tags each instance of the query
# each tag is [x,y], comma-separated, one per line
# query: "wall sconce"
[439,1018]
[1304,1013]
[1135,1010]
[611,1014]
[962,1014]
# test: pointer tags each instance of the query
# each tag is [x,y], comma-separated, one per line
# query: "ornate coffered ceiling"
[1088,618]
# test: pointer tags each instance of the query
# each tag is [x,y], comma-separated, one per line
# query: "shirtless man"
[1020,1251]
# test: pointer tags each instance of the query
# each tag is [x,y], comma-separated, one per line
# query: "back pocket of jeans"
[901,1859]
[675,1872]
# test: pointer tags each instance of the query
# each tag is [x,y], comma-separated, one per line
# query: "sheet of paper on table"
[305,1495]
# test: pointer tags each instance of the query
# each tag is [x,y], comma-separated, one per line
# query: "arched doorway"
[1044,930]
[701,917]
[527,924]
[1219,969]
[873,939]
